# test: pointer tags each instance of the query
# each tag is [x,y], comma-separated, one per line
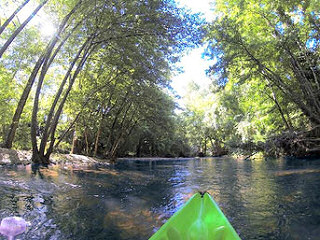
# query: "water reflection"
[130,200]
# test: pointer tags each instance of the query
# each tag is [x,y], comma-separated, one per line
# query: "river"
[263,199]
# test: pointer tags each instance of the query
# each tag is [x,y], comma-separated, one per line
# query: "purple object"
[12,226]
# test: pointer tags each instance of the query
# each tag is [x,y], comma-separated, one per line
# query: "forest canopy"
[96,87]
[100,85]
[267,73]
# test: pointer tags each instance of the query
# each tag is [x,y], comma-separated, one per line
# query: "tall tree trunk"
[31,80]
[138,148]
[74,147]
[103,115]
[6,23]
[35,152]
[123,137]
[55,120]
[20,28]
[122,129]
[46,131]
[212,145]
[87,149]
[112,128]
[21,103]
[96,143]
[274,98]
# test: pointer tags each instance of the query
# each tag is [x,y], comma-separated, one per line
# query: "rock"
[12,226]
[14,157]
[21,157]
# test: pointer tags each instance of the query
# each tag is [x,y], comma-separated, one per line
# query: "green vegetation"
[100,85]
[266,78]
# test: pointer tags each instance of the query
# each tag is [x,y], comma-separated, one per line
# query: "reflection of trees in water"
[242,189]
[259,196]
[249,192]
[299,211]
[113,203]
[221,178]
[24,195]
[130,200]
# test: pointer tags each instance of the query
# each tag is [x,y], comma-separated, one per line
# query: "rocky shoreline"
[10,157]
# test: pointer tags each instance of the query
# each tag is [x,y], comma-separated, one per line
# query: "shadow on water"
[130,200]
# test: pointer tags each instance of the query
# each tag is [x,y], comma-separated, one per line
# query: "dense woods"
[265,94]
[96,87]
[100,85]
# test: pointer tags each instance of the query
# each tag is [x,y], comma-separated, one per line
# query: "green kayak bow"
[199,219]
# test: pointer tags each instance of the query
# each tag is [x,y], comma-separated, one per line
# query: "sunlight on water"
[275,199]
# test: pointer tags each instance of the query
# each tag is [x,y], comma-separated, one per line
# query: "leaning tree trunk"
[45,56]
[46,132]
[82,108]
[102,117]
[274,98]
[115,145]
[45,156]
[6,23]
[308,85]
[123,136]
[21,103]
[20,28]
[17,115]
[36,154]
[310,110]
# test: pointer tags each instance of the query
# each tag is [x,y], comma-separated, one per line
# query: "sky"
[193,64]
[42,20]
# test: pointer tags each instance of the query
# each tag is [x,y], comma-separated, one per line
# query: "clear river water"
[263,199]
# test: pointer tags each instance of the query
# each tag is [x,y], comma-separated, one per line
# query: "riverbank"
[148,159]
[10,157]
[133,199]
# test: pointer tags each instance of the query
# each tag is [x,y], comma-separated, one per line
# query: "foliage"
[97,85]
[266,76]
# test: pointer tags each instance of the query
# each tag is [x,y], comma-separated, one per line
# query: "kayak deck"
[199,219]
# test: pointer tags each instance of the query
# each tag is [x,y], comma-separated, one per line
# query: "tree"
[6,23]
[44,61]
[20,28]
[109,57]
[275,42]
[161,34]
